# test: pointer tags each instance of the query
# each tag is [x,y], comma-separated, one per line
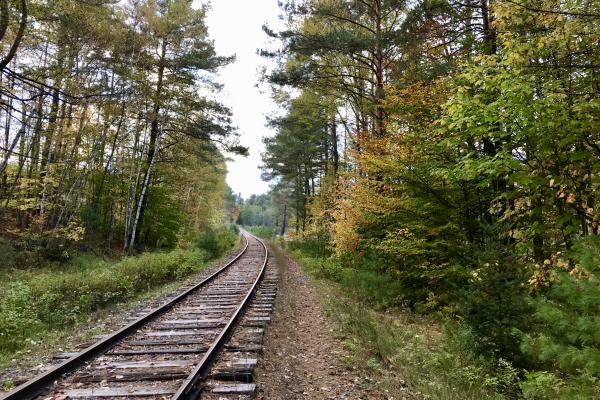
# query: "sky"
[236,28]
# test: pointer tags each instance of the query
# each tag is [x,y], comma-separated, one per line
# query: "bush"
[544,385]
[440,365]
[263,232]
[311,247]
[377,289]
[18,318]
[494,304]
[217,240]
[51,300]
[9,255]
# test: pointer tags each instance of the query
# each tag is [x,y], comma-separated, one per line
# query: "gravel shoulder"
[302,358]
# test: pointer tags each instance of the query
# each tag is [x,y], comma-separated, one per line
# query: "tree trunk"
[334,147]
[96,200]
[284,223]
[69,166]
[378,57]
[131,186]
[154,132]
[145,185]
[489,34]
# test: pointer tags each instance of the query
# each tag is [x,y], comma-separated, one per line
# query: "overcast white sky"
[236,28]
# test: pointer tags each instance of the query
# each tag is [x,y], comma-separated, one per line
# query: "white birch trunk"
[144,190]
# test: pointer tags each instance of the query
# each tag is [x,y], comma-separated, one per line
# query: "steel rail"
[191,389]
[38,384]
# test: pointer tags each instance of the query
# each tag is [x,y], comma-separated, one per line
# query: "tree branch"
[13,48]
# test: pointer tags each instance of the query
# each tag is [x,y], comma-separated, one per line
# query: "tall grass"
[37,302]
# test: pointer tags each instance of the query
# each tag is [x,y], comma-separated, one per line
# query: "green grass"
[378,291]
[40,303]
[398,347]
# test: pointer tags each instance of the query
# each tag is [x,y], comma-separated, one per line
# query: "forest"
[104,134]
[112,158]
[433,167]
[444,154]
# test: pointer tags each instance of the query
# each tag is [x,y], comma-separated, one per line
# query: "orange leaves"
[345,229]
[544,274]
[417,105]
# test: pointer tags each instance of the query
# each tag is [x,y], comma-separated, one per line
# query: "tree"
[103,107]
[347,47]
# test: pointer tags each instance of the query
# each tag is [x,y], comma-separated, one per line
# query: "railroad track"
[203,340]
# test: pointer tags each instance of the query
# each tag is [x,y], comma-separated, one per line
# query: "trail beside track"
[302,357]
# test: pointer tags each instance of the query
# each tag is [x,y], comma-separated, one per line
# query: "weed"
[8,384]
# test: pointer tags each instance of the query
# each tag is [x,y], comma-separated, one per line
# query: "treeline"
[454,146]
[257,210]
[109,130]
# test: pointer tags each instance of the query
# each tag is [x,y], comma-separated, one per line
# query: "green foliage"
[89,163]
[263,232]
[566,339]
[311,246]
[8,384]
[9,255]
[257,211]
[216,240]
[233,228]
[35,248]
[295,154]
[460,191]
[166,216]
[37,302]
[494,304]
[18,317]
[376,289]
[440,365]
[544,385]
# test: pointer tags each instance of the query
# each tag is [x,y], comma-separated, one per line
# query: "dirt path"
[302,358]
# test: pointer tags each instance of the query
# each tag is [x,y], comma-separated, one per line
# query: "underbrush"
[35,303]
[263,232]
[376,290]
[401,348]
[216,240]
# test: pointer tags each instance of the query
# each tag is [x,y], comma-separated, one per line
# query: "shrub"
[440,365]
[375,288]
[566,341]
[263,232]
[9,255]
[216,240]
[311,247]
[494,305]
[51,300]
[18,319]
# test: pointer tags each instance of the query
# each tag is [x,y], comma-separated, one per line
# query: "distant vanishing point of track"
[201,344]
